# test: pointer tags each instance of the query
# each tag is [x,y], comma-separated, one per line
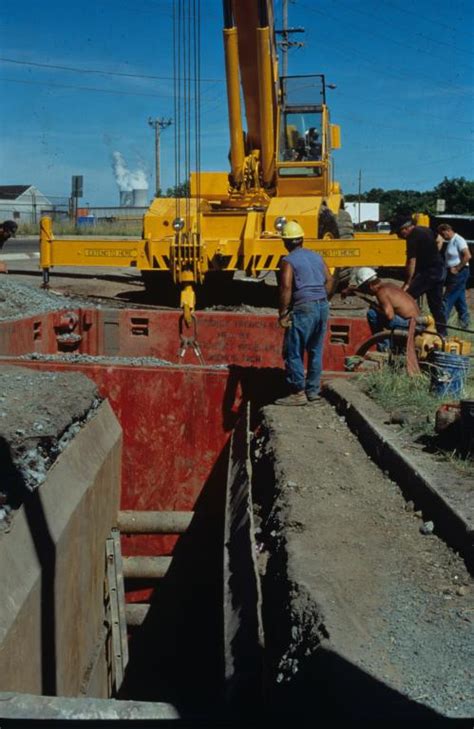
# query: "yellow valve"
[426,320]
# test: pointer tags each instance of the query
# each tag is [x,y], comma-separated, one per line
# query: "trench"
[210,617]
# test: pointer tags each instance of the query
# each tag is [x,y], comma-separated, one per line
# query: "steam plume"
[128,180]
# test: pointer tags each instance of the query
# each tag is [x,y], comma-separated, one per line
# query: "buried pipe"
[147,568]
[154,522]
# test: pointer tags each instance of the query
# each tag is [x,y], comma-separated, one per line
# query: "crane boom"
[280,168]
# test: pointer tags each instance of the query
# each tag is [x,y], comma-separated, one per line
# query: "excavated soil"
[368,617]
[19,300]
[40,412]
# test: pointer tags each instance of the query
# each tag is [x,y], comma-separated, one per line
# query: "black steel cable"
[456,329]
[186,101]
[101,72]
[178,6]
[197,106]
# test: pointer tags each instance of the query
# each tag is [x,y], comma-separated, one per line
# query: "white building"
[22,203]
[361,212]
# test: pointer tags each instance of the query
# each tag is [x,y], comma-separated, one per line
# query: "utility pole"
[158,125]
[285,44]
[360,191]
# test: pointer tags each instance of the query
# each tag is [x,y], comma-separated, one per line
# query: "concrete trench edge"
[451,524]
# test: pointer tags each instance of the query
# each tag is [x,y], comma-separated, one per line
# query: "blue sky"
[403,71]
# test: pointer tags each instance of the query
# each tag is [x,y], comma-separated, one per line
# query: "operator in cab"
[392,309]
[305,283]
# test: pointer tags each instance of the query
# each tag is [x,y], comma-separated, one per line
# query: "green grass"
[131,228]
[395,391]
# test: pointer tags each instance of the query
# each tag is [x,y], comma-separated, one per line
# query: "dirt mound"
[19,300]
[40,412]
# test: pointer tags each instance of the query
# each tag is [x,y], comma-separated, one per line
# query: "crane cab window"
[301,137]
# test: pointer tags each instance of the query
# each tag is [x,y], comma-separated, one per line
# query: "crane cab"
[305,137]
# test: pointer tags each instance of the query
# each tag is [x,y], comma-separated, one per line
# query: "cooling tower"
[126,198]
[140,198]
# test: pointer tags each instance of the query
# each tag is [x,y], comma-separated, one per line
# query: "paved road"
[20,245]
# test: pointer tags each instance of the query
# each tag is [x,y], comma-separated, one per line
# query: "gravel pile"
[19,300]
[40,413]
[73,358]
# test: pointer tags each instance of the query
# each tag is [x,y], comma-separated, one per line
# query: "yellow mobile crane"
[280,169]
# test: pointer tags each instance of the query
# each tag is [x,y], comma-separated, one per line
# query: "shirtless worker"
[394,307]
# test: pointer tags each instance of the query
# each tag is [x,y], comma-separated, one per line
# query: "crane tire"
[346,232]
[345,225]
[327,224]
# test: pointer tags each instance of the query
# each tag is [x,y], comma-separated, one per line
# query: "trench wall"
[241,339]
[52,566]
[176,421]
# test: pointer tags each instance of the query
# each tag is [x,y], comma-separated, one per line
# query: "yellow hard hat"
[292,229]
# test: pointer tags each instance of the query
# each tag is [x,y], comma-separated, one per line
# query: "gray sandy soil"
[40,412]
[362,582]
[19,299]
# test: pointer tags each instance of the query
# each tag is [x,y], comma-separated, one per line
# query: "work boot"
[296,398]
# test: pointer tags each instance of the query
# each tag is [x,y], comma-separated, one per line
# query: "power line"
[407,112]
[75,69]
[366,122]
[401,74]
[404,10]
[94,88]
[84,88]
[437,41]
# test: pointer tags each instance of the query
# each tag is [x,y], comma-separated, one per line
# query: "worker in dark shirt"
[425,269]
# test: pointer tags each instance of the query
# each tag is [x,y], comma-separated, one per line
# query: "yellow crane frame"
[232,220]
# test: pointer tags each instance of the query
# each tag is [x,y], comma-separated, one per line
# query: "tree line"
[457,192]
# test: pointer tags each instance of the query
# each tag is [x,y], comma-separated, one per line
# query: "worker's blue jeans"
[430,282]
[306,334]
[378,322]
[455,295]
